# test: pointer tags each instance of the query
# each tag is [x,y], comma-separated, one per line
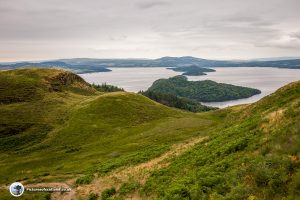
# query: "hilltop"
[59,130]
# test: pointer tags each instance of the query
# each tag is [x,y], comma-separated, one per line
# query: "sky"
[212,29]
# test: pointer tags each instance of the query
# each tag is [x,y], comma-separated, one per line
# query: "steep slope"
[33,101]
[65,128]
[254,155]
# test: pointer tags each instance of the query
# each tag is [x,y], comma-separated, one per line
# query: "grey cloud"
[144,28]
[250,20]
[296,35]
[285,41]
[151,4]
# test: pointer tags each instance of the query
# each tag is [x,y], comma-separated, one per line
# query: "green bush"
[128,187]
[106,194]
[87,179]
[93,196]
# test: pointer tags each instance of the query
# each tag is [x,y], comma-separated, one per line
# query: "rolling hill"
[57,130]
[255,155]
[54,126]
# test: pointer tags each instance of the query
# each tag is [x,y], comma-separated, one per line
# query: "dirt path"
[138,173]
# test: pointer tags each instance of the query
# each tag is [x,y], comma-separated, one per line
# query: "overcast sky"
[215,29]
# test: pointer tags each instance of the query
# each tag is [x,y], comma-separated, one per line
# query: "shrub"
[47,196]
[128,187]
[106,194]
[85,179]
[93,196]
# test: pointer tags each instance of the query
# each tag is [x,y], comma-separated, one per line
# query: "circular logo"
[16,189]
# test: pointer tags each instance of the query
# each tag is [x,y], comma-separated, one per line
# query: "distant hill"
[290,64]
[183,62]
[56,64]
[86,65]
[204,91]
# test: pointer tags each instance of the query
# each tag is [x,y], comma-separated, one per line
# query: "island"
[203,91]
[192,70]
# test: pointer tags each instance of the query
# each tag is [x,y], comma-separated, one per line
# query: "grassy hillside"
[54,127]
[204,91]
[254,155]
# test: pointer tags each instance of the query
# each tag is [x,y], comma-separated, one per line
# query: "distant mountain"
[290,64]
[274,59]
[77,68]
[85,65]
[160,62]
[184,61]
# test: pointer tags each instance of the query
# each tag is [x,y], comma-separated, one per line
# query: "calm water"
[131,79]
[267,80]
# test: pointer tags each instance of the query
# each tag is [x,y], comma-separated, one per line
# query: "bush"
[93,196]
[178,192]
[85,179]
[108,193]
[128,187]
[47,196]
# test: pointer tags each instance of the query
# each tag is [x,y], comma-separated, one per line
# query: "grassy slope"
[253,150]
[62,128]
[254,155]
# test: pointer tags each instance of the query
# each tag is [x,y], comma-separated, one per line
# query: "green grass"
[71,133]
[66,129]
[5,195]
[255,153]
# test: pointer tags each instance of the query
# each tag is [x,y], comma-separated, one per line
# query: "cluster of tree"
[107,88]
[176,102]
[203,91]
